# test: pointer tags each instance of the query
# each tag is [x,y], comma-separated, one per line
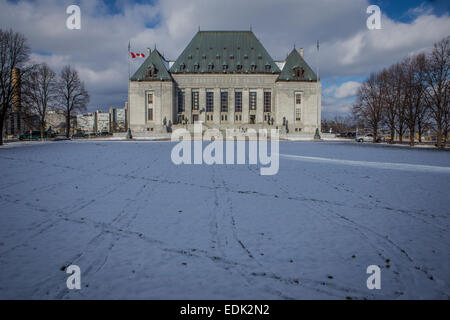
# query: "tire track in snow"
[319,286]
[371,164]
[101,246]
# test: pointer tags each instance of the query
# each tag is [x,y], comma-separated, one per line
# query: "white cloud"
[347,89]
[99,49]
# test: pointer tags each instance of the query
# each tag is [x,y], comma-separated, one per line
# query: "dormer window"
[231,57]
[298,73]
[190,57]
[217,56]
[245,57]
[225,67]
[267,67]
[239,67]
[182,67]
[196,67]
[204,57]
[151,72]
[253,67]
[210,67]
[259,57]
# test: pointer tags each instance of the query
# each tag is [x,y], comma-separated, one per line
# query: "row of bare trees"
[341,124]
[409,97]
[40,87]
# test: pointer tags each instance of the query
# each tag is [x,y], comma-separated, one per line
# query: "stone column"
[216,106]
[202,103]
[259,105]
[231,119]
[245,105]
[188,104]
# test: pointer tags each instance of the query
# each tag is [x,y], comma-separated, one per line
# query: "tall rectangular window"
[209,101]
[150,115]
[298,98]
[298,108]
[252,100]
[267,102]
[149,106]
[298,114]
[181,101]
[195,101]
[223,101]
[238,101]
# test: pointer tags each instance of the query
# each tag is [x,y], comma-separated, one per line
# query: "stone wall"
[282,104]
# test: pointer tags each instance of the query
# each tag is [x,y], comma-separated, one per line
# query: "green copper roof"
[224,52]
[295,61]
[153,69]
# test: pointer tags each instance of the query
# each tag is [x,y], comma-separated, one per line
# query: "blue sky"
[349,51]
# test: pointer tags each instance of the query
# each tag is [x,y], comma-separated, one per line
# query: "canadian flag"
[137,55]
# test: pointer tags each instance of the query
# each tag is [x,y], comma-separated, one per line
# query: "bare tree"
[423,120]
[414,85]
[72,94]
[437,79]
[40,96]
[391,97]
[369,103]
[14,53]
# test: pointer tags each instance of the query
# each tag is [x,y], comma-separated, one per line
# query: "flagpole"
[318,46]
[129,60]
[318,79]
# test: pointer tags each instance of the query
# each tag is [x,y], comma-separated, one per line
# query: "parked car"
[36,135]
[79,135]
[367,138]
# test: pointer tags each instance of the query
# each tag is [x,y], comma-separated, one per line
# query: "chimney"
[148,51]
[301,51]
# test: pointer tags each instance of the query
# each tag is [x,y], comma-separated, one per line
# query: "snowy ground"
[140,227]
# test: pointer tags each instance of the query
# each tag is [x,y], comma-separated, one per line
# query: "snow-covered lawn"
[140,227]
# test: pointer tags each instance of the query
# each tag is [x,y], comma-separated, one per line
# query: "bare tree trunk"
[439,135]
[411,135]
[419,132]
[375,131]
[400,135]
[42,130]
[2,120]
[68,125]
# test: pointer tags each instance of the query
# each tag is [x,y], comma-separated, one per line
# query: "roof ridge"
[232,51]
[157,61]
[294,60]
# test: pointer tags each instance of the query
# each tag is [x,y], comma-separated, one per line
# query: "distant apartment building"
[56,120]
[86,123]
[102,122]
[118,119]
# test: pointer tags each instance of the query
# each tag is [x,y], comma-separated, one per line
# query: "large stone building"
[225,79]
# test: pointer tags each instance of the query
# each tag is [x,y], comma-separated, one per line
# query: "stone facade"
[239,99]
